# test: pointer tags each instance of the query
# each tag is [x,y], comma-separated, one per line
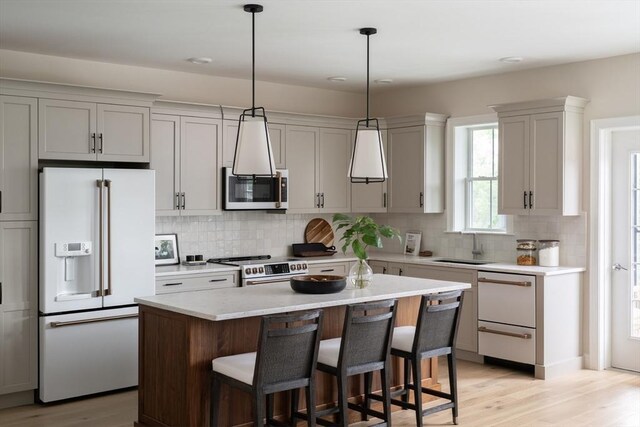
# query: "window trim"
[457,171]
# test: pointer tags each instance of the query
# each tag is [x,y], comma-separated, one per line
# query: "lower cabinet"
[467,329]
[379,267]
[196,282]
[18,306]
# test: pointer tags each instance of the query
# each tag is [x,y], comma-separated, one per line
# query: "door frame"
[598,354]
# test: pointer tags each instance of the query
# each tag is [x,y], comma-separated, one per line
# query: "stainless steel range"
[263,270]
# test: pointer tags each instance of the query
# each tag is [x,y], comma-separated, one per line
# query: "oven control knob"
[247,271]
[299,266]
[261,270]
[304,266]
[254,270]
[293,267]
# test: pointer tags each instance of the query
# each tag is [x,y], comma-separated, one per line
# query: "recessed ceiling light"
[384,81]
[201,60]
[511,59]
[337,79]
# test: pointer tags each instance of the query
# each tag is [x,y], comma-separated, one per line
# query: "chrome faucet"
[475,251]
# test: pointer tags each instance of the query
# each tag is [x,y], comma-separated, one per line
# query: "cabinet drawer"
[507,298]
[507,342]
[195,283]
[339,269]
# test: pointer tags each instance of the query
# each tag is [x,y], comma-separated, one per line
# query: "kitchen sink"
[462,261]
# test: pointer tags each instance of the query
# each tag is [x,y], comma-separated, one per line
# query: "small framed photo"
[412,243]
[167,249]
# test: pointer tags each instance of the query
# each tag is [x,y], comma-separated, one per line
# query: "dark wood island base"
[175,356]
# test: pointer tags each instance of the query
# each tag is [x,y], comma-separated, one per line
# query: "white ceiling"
[304,41]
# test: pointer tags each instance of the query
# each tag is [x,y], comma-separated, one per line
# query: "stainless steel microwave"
[249,193]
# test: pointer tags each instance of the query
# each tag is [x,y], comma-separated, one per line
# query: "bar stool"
[285,360]
[363,349]
[433,336]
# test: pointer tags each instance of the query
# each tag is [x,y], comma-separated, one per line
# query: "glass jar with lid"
[549,253]
[526,250]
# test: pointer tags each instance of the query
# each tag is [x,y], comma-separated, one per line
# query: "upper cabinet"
[416,164]
[76,130]
[18,158]
[373,197]
[540,149]
[185,153]
[317,160]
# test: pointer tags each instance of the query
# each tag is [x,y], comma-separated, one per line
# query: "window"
[482,180]
[472,176]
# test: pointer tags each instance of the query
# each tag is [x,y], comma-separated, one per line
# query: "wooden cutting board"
[319,231]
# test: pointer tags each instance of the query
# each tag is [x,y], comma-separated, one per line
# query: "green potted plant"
[361,232]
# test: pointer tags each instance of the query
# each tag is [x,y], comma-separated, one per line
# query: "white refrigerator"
[97,230]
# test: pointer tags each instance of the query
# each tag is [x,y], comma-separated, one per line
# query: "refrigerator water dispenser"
[75,270]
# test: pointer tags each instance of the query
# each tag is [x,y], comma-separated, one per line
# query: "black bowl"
[318,284]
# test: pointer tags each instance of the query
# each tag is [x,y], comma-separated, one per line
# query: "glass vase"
[360,274]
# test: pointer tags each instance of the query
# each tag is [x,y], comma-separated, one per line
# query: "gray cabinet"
[78,130]
[302,144]
[540,166]
[196,282]
[185,156]
[18,158]
[416,167]
[18,306]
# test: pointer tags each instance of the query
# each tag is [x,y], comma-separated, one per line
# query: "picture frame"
[166,249]
[412,243]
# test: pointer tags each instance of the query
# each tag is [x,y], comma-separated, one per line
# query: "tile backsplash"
[252,233]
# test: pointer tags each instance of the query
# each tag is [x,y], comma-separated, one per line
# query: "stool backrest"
[288,349]
[366,336]
[438,320]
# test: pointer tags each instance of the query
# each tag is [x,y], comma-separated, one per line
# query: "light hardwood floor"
[489,396]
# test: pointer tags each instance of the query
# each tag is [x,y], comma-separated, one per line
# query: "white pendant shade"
[254,155]
[367,160]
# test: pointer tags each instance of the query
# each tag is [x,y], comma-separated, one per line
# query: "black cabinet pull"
[172,284]
[530,199]
[384,200]
[524,200]
[217,280]
[322,204]
[184,201]
[421,199]
[92,143]
[0,293]
[328,270]
[400,272]
[101,140]
[384,270]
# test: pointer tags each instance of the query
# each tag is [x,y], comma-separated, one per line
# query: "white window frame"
[457,173]
[470,179]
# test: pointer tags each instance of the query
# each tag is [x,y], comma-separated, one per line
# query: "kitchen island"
[181,333]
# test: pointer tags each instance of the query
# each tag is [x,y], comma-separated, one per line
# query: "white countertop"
[250,301]
[179,269]
[499,267]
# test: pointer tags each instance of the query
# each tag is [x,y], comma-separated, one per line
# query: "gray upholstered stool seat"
[285,361]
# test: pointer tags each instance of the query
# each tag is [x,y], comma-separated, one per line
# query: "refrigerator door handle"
[95,320]
[100,292]
[108,290]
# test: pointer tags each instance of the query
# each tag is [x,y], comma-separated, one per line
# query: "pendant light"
[253,156]
[367,160]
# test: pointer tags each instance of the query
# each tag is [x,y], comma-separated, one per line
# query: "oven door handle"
[264,282]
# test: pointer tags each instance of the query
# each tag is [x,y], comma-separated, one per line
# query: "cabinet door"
[66,130]
[513,176]
[277,136]
[123,133]
[334,157]
[165,160]
[338,268]
[406,169]
[546,157]
[370,198]
[302,151]
[18,159]
[200,150]
[378,267]
[18,306]
[396,269]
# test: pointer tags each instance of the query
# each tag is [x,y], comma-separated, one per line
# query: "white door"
[302,147]
[200,148]
[625,244]
[129,244]
[513,175]
[406,169]
[546,157]
[334,155]
[165,160]
[123,133]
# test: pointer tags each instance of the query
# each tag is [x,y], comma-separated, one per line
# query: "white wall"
[180,86]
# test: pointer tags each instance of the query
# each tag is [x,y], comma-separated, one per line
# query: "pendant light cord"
[367,80]
[253,64]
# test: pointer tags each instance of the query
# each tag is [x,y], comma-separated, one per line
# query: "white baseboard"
[16,399]
[547,372]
